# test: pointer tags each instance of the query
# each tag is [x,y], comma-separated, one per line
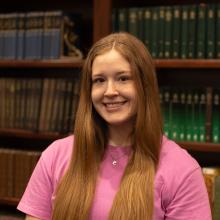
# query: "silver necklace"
[115,160]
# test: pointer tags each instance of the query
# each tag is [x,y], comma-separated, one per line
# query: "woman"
[118,165]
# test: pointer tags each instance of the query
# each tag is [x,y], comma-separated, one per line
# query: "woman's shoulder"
[174,157]
[57,155]
[175,164]
[60,146]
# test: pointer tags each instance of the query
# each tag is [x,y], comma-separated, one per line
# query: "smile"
[114,105]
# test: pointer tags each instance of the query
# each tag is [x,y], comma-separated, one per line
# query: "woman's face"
[114,95]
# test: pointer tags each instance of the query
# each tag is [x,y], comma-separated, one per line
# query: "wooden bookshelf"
[200,147]
[187,63]
[96,22]
[61,63]
[72,63]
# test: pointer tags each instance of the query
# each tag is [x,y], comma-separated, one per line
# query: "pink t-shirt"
[179,194]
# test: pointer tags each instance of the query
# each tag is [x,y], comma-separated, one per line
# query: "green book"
[216,116]
[210,40]
[201,31]
[176,10]
[133,21]
[217,39]
[168,32]
[208,128]
[175,114]
[140,17]
[122,19]
[147,23]
[202,115]
[166,107]
[154,32]
[192,32]
[182,115]
[195,115]
[161,31]
[189,115]
[184,31]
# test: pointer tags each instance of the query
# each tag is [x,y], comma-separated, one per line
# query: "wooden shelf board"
[73,63]
[187,63]
[29,134]
[203,147]
[59,63]
[9,201]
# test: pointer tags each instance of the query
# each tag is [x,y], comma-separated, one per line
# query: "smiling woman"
[118,165]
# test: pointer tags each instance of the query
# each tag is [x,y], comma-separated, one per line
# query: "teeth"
[114,104]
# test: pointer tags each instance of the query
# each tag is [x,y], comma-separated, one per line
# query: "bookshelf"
[96,23]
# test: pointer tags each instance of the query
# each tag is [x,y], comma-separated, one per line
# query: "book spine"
[184,32]
[147,27]
[209,94]
[201,29]
[1,36]
[162,25]
[210,40]
[154,32]
[176,10]
[217,40]
[123,19]
[168,32]
[20,36]
[133,21]
[202,114]
[216,116]
[192,32]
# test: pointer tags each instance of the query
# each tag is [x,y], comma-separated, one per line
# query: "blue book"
[20,36]
[34,35]
[1,35]
[10,32]
[52,34]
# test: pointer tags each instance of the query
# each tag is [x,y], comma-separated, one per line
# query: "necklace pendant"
[114,162]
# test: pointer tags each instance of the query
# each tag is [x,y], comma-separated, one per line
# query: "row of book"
[179,31]
[16,169]
[39,35]
[191,114]
[212,181]
[39,104]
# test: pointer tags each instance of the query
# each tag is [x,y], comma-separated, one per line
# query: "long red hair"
[135,197]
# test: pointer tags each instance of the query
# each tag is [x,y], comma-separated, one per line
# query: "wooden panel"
[187,63]
[101,18]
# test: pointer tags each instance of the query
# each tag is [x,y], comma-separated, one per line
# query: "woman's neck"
[119,136]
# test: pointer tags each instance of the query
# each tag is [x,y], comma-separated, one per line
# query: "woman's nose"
[111,89]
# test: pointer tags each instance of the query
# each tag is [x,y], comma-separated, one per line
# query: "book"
[216,116]
[217,37]
[201,29]
[210,31]
[184,31]
[212,181]
[192,32]
[154,32]
[147,27]
[168,32]
[176,27]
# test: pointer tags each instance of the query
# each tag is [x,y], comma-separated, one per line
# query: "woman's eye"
[98,80]
[124,78]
